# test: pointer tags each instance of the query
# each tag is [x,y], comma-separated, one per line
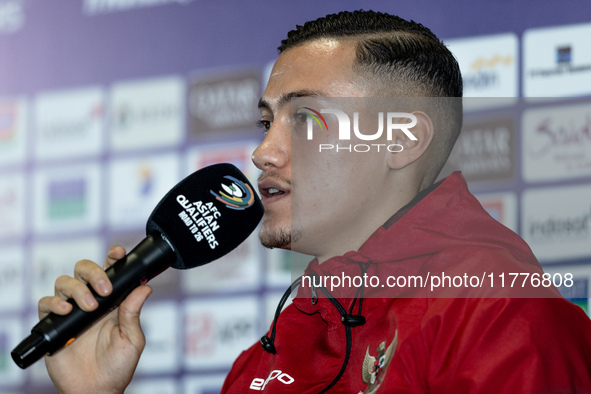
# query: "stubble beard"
[282,238]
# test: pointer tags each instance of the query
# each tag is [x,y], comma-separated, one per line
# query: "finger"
[56,305]
[68,287]
[129,315]
[114,254]
[89,272]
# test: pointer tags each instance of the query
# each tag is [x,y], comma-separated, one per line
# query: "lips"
[272,189]
[273,192]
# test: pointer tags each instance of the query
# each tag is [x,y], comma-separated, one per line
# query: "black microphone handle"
[149,258]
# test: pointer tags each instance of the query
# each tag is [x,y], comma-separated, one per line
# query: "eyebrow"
[286,97]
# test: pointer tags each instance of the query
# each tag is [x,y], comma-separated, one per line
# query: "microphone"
[205,216]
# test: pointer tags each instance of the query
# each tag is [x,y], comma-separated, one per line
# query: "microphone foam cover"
[207,215]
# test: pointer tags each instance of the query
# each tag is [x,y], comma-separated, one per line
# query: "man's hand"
[104,358]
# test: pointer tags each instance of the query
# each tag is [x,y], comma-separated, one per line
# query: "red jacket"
[413,341]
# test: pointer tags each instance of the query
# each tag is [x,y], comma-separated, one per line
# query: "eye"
[264,124]
[300,118]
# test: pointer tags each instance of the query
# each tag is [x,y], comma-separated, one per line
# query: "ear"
[410,150]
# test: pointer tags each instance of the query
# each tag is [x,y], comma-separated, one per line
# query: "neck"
[353,237]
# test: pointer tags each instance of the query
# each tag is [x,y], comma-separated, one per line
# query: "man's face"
[308,197]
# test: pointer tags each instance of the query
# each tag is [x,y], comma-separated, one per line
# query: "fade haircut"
[401,58]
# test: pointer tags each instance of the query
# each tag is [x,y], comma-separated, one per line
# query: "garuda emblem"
[374,368]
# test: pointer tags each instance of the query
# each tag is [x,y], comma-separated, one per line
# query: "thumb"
[129,315]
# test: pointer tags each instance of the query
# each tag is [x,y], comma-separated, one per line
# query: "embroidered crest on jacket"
[374,368]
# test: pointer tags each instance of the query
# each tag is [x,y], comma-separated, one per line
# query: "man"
[390,219]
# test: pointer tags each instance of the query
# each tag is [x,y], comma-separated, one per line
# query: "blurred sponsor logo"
[483,72]
[271,302]
[563,65]
[564,54]
[204,384]
[9,274]
[556,222]
[239,155]
[568,228]
[11,332]
[235,153]
[495,209]
[578,293]
[579,289]
[145,176]
[238,270]
[4,351]
[12,16]
[489,67]
[557,142]
[148,113]
[62,129]
[557,61]
[50,260]
[66,198]
[69,123]
[12,205]
[12,278]
[125,117]
[484,151]
[224,102]
[502,207]
[92,7]
[8,121]
[7,199]
[217,331]
[159,321]
[284,266]
[154,385]
[137,185]
[12,130]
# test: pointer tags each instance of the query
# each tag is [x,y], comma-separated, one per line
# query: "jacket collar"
[380,248]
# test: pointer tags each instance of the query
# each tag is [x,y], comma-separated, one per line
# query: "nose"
[274,150]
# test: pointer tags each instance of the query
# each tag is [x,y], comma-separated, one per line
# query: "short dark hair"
[388,44]
[398,57]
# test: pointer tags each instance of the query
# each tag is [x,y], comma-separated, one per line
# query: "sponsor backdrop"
[106,104]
